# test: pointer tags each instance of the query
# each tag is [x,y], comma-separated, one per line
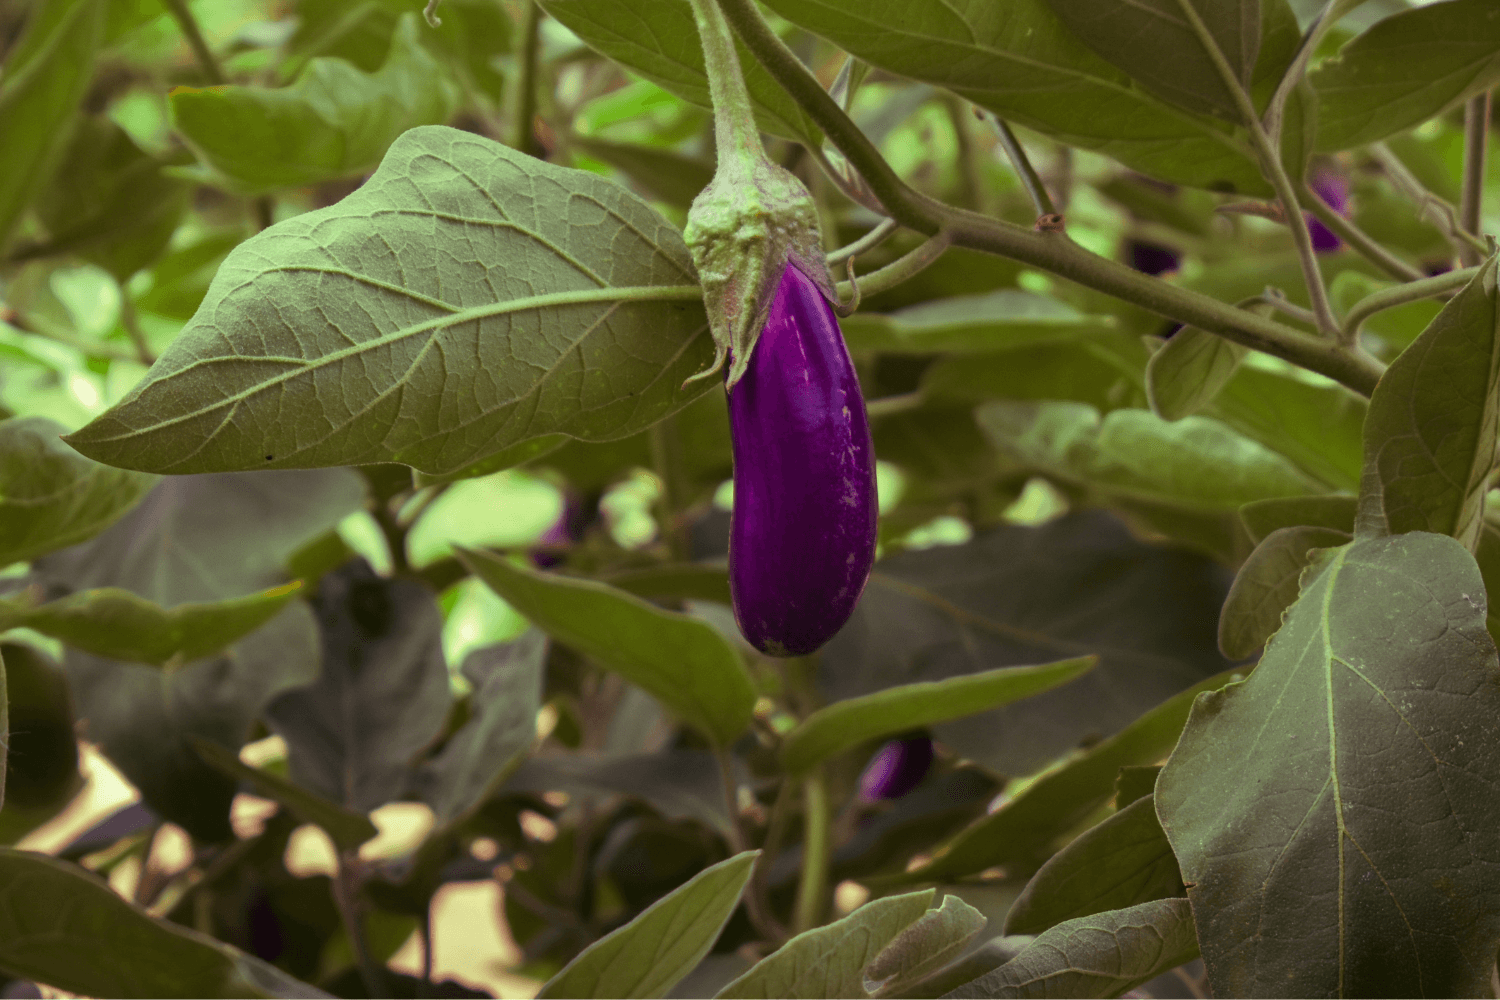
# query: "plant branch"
[816,846]
[184,18]
[1271,166]
[887,406]
[132,324]
[971,188]
[523,89]
[1443,214]
[869,241]
[755,904]
[1413,291]
[346,876]
[666,458]
[1357,238]
[1048,252]
[1030,179]
[1476,142]
[901,269]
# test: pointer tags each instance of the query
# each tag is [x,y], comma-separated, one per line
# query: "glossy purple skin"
[1334,189]
[802,530]
[896,768]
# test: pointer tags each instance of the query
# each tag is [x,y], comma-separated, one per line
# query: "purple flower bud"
[802,532]
[1152,258]
[562,535]
[896,768]
[1333,189]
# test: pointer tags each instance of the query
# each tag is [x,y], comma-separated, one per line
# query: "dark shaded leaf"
[51,496]
[519,300]
[1267,584]
[668,176]
[679,784]
[678,659]
[381,697]
[41,774]
[1013,595]
[1364,746]
[648,956]
[1122,861]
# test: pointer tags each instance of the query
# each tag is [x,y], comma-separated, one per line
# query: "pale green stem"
[890,405]
[869,241]
[1446,216]
[184,18]
[901,269]
[1030,179]
[735,134]
[523,88]
[1390,298]
[813,888]
[1476,142]
[1271,166]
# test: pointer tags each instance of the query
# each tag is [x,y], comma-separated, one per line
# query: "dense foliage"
[352,467]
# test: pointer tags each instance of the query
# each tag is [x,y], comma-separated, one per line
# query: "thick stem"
[346,897]
[735,134]
[1476,142]
[1358,238]
[523,90]
[1413,291]
[1271,167]
[1030,179]
[816,845]
[1044,251]
[206,61]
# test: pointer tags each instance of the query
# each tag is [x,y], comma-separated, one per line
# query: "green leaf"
[108,202]
[1195,462]
[674,581]
[1102,955]
[381,697]
[668,176]
[335,121]
[1267,584]
[117,624]
[1333,814]
[4,726]
[680,660]
[1430,435]
[347,829]
[1154,42]
[679,784]
[519,300]
[852,721]
[649,955]
[507,686]
[87,940]
[971,324]
[47,72]
[1061,799]
[1188,371]
[1083,370]
[1123,861]
[1015,595]
[935,939]
[52,497]
[42,772]
[1410,67]
[831,961]
[1021,62]
[1335,512]
[660,42]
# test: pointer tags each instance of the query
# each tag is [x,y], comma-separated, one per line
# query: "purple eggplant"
[802,531]
[896,768]
[1333,189]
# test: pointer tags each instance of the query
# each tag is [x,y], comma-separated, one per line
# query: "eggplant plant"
[743,498]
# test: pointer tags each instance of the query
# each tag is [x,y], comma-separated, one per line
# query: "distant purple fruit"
[802,531]
[1152,258]
[896,768]
[563,534]
[1333,189]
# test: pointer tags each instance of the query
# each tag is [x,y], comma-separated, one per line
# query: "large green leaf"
[117,624]
[936,938]
[1021,62]
[831,961]
[1155,44]
[649,955]
[1430,435]
[1061,799]
[516,299]
[52,497]
[1102,955]
[47,72]
[1075,586]
[1335,815]
[507,685]
[1118,863]
[1267,584]
[680,660]
[971,323]
[346,828]
[1188,371]
[1406,69]
[1335,511]
[382,694]
[660,42]
[65,927]
[335,121]
[852,721]
[1195,462]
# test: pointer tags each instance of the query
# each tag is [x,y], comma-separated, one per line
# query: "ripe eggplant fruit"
[897,768]
[802,530]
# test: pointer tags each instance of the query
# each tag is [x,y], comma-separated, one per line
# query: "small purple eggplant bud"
[1333,189]
[802,531]
[896,768]
[565,532]
[1152,258]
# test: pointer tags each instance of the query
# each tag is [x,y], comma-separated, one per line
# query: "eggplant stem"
[852,306]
